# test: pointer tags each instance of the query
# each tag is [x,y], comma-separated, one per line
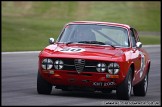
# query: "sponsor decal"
[72,50]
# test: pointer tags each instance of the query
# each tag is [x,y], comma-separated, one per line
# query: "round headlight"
[47,63]
[113,68]
[101,67]
[58,64]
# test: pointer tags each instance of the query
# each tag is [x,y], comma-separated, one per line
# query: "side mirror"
[138,44]
[51,40]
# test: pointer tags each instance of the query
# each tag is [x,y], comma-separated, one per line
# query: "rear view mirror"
[51,40]
[138,44]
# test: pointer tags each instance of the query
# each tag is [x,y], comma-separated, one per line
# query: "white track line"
[25,52]
[151,46]
[21,52]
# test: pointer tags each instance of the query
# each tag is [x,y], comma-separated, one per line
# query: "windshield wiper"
[112,46]
[70,43]
[92,42]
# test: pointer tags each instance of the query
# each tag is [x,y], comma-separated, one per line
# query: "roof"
[102,23]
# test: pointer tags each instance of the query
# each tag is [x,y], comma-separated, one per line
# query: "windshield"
[93,33]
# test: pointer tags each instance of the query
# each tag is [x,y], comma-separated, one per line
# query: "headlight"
[58,64]
[47,63]
[101,67]
[113,68]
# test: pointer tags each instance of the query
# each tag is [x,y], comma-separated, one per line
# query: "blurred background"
[27,25]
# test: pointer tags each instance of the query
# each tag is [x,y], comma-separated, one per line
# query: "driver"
[85,35]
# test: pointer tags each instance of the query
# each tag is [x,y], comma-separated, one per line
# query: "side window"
[136,35]
[133,39]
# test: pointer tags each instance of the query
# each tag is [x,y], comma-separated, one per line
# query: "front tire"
[141,88]
[123,91]
[43,87]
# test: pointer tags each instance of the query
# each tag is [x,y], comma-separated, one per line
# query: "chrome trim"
[51,40]
[84,66]
[79,64]
[91,66]
[68,65]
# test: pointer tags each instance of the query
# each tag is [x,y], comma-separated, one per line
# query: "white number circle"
[72,50]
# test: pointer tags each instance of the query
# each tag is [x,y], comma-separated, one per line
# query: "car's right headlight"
[47,63]
[101,67]
[58,64]
[113,68]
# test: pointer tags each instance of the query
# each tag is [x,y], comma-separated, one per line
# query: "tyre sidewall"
[122,91]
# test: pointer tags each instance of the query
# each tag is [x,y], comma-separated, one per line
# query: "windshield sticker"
[72,50]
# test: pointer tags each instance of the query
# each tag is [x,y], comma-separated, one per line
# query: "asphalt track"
[19,75]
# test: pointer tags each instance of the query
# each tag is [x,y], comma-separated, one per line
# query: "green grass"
[33,36]
[151,40]
[28,25]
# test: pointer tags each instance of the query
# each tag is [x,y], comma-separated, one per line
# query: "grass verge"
[28,25]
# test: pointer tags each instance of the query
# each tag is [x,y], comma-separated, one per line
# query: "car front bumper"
[88,79]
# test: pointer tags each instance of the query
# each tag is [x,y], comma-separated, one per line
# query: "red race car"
[95,56]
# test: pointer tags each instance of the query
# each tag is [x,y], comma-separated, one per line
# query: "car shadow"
[84,94]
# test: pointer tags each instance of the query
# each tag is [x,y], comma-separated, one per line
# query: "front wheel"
[123,91]
[141,88]
[43,87]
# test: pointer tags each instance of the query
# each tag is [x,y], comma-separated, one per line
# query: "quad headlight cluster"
[48,63]
[112,68]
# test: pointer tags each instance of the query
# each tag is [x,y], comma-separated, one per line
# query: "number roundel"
[72,50]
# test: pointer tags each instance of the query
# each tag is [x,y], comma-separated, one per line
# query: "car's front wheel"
[43,87]
[141,88]
[123,91]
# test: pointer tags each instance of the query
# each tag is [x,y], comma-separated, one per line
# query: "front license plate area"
[103,84]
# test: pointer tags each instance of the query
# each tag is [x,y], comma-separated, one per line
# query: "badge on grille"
[79,64]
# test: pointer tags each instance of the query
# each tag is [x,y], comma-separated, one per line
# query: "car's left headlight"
[113,68]
[58,64]
[47,63]
[101,67]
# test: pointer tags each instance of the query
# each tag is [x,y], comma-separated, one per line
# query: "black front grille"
[80,65]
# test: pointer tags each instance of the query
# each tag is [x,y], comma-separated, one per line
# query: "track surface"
[19,75]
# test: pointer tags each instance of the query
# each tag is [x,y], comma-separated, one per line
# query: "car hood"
[83,51]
